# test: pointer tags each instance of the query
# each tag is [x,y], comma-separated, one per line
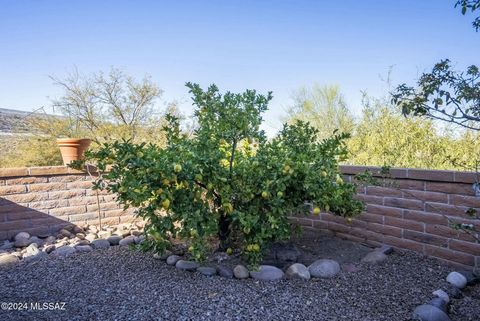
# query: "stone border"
[437,308]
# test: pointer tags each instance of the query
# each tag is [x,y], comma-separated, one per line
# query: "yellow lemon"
[316,211]
[166,204]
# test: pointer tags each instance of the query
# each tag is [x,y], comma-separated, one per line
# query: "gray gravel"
[119,284]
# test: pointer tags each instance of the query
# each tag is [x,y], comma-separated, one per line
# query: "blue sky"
[265,45]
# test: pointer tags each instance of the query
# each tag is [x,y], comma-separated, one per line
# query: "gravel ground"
[119,284]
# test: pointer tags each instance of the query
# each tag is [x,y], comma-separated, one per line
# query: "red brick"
[445,209]
[469,201]
[48,170]
[410,184]
[447,231]
[370,199]
[13,189]
[361,189]
[425,217]
[386,230]
[25,180]
[80,184]
[450,188]
[66,194]
[366,234]
[451,255]
[301,221]
[26,198]
[47,187]
[358,223]
[13,172]
[430,175]
[24,215]
[338,227]
[48,204]
[403,203]
[348,169]
[103,207]
[465,177]
[332,218]
[87,200]
[426,196]
[320,224]
[82,217]
[404,244]
[383,191]
[105,221]
[67,210]
[466,247]
[425,238]
[405,224]
[66,178]
[349,237]
[384,210]
[14,225]
[374,218]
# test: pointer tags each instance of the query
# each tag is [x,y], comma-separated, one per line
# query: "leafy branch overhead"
[444,94]
[470,5]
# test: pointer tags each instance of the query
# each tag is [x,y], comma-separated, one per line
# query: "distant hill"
[16,121]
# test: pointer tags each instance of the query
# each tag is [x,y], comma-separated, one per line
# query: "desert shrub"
[227,180]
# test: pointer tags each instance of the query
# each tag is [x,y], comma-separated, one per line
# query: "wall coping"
[398,173]
[416,174]
[44,171]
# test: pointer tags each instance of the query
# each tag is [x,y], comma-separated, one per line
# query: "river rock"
[457,279]
[324,268]
[472,279]
[442,295]
[426,312]
[298,271]
[241,272]
[8,259]
[439,303]
[100,244]
[127,241]
[91,237]
[267,273]
[22,235]
[207,270]
[374,257]
[173,259]
[83,248]
[114,239]
[186,265]
[225,271]
[64,251]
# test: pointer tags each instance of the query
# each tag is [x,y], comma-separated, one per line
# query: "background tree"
[323,107]
[106,107]
[443,93]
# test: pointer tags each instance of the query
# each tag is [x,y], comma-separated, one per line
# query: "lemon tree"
[227,181]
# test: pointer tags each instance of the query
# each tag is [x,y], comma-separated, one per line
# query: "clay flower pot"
[72,148]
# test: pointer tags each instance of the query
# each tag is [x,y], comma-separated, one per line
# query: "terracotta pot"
[72,148]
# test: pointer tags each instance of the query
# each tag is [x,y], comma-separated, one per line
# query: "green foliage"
[471,5]
[227,180]
[443,94]
[324,108]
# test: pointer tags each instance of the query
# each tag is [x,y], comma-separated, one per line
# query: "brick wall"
[43,199]
[412,214]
